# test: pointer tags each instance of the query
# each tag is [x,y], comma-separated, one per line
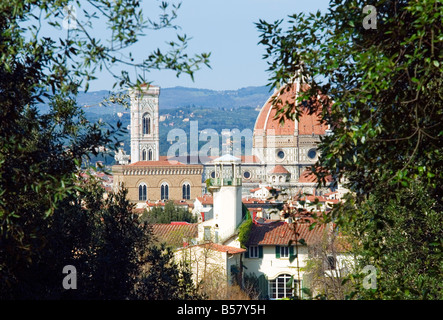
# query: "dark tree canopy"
[48,216]
[380,89]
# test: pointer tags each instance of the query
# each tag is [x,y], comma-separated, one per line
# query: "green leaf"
[290,281]
[430,175]
[306,291]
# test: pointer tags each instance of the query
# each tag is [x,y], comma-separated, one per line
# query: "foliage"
[244,230]
[165,280]
[402,240]
[169,214]
[86,232]
[256,287]
[327,266]
[369,79]
[380,91]
[42,61]
[109,247]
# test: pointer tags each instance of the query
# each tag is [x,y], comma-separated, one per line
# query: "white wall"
[271,266]
[227,210]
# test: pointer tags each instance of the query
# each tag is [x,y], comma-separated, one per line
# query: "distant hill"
[175,97]
[244,97]
[178,107]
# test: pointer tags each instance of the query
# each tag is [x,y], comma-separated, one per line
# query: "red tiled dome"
[307,125]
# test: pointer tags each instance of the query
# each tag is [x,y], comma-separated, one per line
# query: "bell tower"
[144,123]
[226,188]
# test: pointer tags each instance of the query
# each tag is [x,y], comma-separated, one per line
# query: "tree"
[44,60]
[110,248]
[210,275]
[380,91]
[399,236]
[164,279]
[168,214]
[328,266]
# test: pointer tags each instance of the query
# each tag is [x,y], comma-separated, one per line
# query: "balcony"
[221,182]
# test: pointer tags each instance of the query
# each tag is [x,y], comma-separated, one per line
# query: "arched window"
[144,156]
[150,155]
[164,191]
[146,124]
[142,192]
[186,191]
[282,287]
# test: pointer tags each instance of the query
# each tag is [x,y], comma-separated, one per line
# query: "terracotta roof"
[265,120]
[311,198]
[223,248]
[206,199]
[280,233]
[279,169]
[308,177]
[307,124]
[173,233]
[310,124]
[254,200]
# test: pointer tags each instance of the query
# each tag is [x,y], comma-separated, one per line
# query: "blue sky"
[226,29]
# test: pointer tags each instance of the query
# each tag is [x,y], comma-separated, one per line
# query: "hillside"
[177,97]
[244,97]
[178,106]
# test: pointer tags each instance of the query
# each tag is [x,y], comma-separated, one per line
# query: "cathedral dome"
[308,124]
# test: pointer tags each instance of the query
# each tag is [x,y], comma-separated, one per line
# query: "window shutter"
[260,251]
[292,255]
[277,252]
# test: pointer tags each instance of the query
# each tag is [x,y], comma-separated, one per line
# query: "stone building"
[148,176]
[159,180]
[144,123]
[281,153]
[279,157]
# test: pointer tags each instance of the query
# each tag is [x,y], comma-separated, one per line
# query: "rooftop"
[226,158]
[205,199]
[173,233]
[308,123]
[221,248]
[307,176]
[279,169]
[280,233]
